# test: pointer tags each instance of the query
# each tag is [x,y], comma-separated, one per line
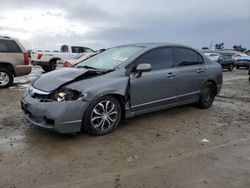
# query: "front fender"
[109,92]
[102,85]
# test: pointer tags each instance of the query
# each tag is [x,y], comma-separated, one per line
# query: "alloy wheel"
[207,94]
[4,79]
[104,115]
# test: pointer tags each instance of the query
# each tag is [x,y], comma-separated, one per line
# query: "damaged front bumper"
[63,117]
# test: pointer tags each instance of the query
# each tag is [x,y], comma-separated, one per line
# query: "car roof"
[155,45]
[6,38]
[231,52]
[211,54]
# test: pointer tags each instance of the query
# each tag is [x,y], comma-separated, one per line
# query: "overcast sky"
[99,24]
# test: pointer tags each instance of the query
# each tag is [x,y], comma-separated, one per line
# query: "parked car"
[121,82]
[243,61]
[72,62]
[47,60]
[14,61]
[238,56]
[226,61]
[235,54]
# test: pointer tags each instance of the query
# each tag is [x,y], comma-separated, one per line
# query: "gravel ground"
[179,147]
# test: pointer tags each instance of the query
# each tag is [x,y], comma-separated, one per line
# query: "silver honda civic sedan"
[121,82]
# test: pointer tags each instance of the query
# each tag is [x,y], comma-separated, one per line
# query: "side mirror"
[144,67]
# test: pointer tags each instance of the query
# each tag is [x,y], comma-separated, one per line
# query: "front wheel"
[102,116]
[6,78]
[231,67]
[207,95]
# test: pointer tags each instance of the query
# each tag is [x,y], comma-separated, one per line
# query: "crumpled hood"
[52,80]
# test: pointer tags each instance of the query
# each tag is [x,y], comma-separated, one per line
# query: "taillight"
[39,56]
[67,64]
[26,58]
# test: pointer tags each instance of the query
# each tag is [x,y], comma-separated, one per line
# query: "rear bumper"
[219,87]
[22,70]
[40,63]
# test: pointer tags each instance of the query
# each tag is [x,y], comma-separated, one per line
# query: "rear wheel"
[50,67]
[207,95]
[46,68]
[6,78]
[102,116]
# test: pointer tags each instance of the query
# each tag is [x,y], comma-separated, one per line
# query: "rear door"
[10,52]
[191,73]
[157,87]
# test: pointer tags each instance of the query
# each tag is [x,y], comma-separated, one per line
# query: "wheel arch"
[54,59]
[8,66]
[214,83]
[120,98]
[117,95]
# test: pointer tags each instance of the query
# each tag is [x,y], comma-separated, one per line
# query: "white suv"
[14,61]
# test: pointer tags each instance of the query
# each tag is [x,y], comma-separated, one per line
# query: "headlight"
[69,95]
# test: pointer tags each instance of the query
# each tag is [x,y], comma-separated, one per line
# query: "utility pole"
[210,46]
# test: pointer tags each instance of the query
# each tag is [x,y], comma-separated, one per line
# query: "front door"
[157,87]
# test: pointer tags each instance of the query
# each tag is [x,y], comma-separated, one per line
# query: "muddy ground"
[180,147]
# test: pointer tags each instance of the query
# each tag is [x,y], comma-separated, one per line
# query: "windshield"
[110,58]
[214,57]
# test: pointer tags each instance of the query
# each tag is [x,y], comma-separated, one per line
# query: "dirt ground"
[179,147]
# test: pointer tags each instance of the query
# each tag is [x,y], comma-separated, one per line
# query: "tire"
[102,116]
[50,67]
[46,68]
[207,95]
[6,78]
[231,67]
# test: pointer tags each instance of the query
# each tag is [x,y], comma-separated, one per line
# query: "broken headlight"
[69,95]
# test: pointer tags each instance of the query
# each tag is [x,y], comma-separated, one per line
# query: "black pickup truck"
[226,60]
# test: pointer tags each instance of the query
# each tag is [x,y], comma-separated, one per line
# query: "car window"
[9,46]
[88,50]
[214,57]
[64,48]
[226,58]
[185,57]
[160,58]
[221,58]
[110,58]
[229,58]
[77,49]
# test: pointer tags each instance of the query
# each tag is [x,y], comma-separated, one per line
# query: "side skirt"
[130,114]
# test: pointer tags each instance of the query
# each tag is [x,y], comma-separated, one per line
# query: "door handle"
[171,75]
[200,70]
